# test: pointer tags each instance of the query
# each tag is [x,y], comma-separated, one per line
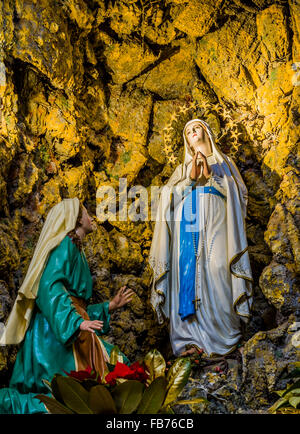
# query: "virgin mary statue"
[202,280]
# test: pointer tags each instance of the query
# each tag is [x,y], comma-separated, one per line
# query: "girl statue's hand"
[91,326]
[121,298]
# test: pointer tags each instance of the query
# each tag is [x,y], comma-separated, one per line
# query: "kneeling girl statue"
[202,280]
[58,329]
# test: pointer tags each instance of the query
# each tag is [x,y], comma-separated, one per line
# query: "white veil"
[60,220]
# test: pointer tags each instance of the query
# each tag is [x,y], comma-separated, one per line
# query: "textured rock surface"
[93,91]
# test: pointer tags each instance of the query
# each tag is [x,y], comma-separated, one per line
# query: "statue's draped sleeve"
[53,298]
[243,191]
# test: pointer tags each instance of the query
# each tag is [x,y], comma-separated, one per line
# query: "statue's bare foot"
[188,352]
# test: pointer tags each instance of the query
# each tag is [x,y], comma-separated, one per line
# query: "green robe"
[54,326]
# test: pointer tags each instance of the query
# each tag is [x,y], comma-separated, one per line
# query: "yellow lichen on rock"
[76,181]
[28,176]
[174,76]
[272,31]
[34,22]
[124,17]
[197,17]
[55,120]
[276,288]
[80,13]
[219,55]
[129,114]
[125,59]
[50,196]
[266,356]
[162,111]
[128,155]
[127,253]
[294,8]
[8,108]
[271,101]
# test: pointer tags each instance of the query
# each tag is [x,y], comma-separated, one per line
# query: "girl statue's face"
[194,133]
[87,222]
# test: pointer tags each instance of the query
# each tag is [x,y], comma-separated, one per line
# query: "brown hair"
[72,234]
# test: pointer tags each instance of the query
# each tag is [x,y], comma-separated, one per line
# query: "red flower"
[196,361]
[87,374]
[132,372]
[138,372]
[218,369]
[200,351]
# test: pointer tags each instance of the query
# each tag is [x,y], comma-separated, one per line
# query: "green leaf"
[47,384]
[295,391]
[294,401]
[153,397]
[88,383]
[295,373]
[55,390]
[121,380]
[177,378]
[73,394]
[166,410]
[100,401]
[279,392]
[288,410]
[127,396]
[53,406]
[277,405]
[295,385]
[155,364]
[292,391]
[285,399]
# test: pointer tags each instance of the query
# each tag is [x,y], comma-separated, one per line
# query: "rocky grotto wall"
[93,91]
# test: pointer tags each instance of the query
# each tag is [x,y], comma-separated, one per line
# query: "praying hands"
[196,168]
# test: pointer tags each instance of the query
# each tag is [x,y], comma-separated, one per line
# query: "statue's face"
[194,133]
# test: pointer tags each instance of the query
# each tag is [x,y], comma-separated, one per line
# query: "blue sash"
[187,258]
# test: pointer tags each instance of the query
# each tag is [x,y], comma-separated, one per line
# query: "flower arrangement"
[144,387]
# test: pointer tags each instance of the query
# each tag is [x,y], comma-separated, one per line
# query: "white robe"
[225,287]
[215,327]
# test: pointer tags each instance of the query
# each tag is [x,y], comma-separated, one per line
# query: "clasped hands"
[196,169]
[122,297]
